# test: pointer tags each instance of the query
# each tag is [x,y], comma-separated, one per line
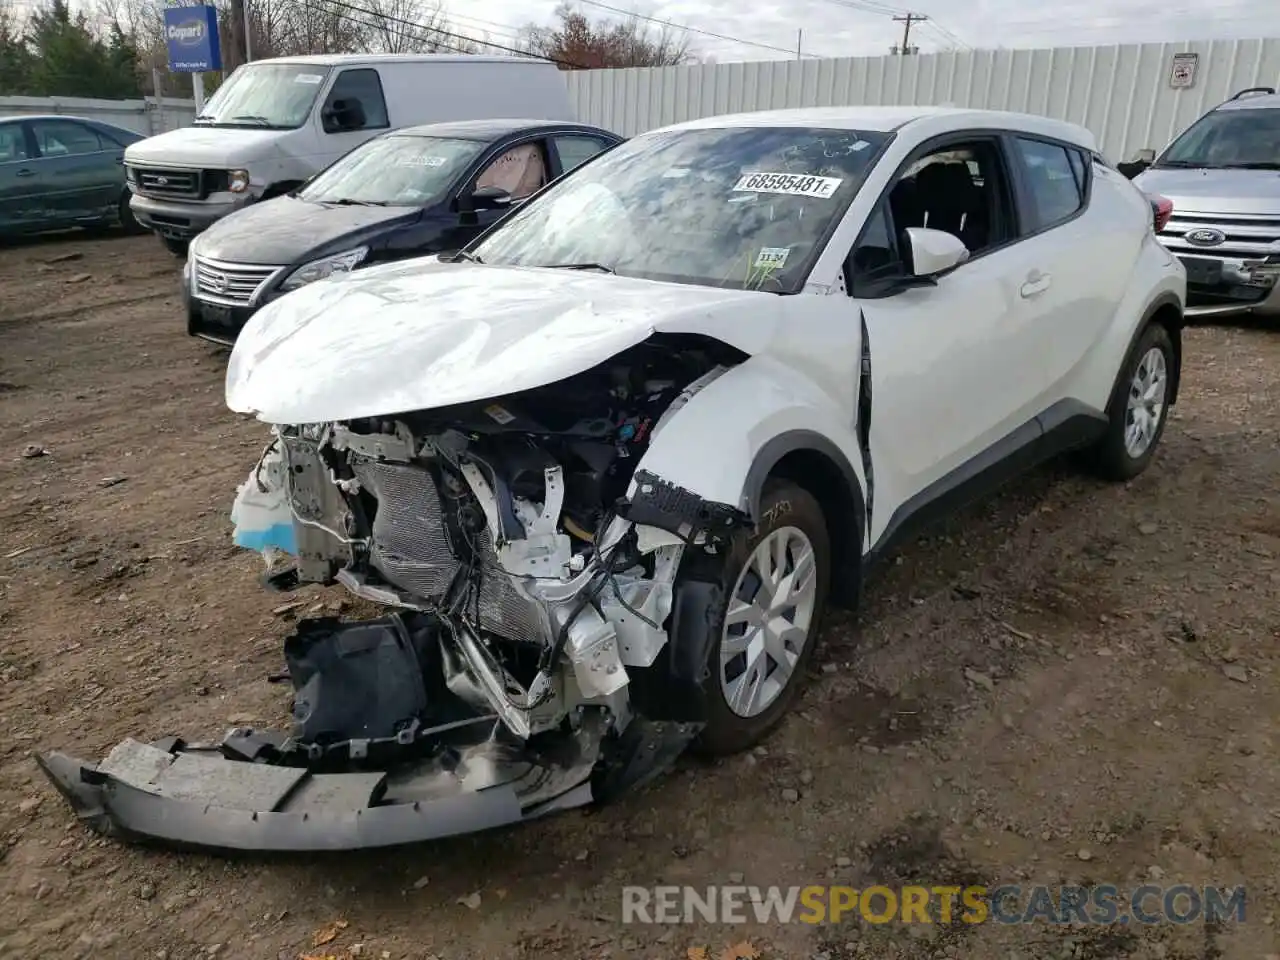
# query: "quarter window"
[1055,179]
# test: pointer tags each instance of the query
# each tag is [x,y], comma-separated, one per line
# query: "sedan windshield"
[1248,139]
[747,208]
[273,95]
[394,171]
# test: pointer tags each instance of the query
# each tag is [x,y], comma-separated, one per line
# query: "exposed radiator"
[410,549]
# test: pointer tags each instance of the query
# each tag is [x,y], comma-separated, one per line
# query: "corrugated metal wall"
[1121,93]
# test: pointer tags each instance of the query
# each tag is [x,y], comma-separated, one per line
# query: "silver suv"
[1223,178]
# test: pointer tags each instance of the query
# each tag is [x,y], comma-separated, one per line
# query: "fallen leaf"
[697,953]
[740,951]
[328,934]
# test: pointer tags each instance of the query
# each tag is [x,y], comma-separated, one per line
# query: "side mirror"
[934,252]
[490,198]
[1146,155]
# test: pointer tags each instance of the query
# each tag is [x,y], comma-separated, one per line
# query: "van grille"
[169,183]
[1246,237]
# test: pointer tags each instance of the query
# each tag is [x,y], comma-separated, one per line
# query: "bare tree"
[576,43]
[411,26]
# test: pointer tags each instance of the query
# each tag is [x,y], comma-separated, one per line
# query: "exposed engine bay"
[533,574]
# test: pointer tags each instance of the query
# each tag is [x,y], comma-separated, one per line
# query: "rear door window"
[1056,182]
[576,150]
[13,142]
[64,138]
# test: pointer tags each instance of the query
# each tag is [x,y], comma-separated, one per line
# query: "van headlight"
[325,267]
[237,181]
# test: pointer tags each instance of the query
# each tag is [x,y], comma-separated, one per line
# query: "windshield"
[746,208]
[394,171]
[1229,138]
[274,95]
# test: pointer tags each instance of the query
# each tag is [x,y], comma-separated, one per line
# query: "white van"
[275,123]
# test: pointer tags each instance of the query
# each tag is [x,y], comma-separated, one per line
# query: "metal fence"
[142,116]
[1125,94]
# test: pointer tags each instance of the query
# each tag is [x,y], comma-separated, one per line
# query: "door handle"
[1035,284]
[26,173]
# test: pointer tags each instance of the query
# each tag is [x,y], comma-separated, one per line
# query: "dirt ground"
[1072,683]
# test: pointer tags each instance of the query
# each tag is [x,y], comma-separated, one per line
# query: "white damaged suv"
[607,466]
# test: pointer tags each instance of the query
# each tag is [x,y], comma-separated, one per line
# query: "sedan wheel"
[1139,408]
[775,583]
[767,623]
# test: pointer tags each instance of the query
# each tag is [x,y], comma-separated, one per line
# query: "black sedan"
[409,193]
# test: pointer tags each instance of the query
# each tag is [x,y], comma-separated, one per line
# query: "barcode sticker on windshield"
[789,183]
[308,78]
[420,161]
[772,258]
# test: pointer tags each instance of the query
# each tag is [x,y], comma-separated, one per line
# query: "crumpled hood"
[1239,192]
[219,148]
[422,334]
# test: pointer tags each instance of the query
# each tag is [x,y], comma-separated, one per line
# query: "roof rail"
[1254,91]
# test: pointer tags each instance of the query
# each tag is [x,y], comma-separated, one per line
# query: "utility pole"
[240,30]
[799,38]
[907,20]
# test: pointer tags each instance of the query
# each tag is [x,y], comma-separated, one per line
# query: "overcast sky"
[834,28]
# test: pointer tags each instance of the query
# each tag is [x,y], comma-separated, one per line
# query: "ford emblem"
[162,181]
[1205,237]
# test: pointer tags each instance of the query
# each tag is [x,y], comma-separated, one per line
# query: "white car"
[611,463]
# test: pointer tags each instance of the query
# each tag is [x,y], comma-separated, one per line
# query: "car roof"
[489,129]
[346,59]
[1262,101]
[891,119]
[91,121]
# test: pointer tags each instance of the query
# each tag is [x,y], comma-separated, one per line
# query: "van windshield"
[1246,139]
[394,171]
[277,96]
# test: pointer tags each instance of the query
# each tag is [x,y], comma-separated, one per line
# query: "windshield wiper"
[463,255]
[579,266]
[352,202]
[252,118]
[1255,165]
[207,117]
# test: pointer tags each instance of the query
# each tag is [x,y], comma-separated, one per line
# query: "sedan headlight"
[237,181]
[325,267]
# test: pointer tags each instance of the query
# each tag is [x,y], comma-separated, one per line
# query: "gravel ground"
[1073,682]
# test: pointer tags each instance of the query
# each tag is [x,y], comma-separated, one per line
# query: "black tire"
[177,247]
[783,505]
[128,222]
[1109,458]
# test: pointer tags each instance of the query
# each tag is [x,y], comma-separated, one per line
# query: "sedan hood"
[1235,192]
[423,334]
[283,230]
[219,148]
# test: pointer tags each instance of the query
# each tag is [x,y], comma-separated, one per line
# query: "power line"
[907,20]
[677,26]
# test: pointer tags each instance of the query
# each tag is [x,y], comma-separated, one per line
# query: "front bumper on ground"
[184,219]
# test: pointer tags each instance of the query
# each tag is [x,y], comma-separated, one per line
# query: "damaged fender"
[753,415]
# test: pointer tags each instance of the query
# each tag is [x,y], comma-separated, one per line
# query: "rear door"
[18,177]
[80,172]
[1080,255]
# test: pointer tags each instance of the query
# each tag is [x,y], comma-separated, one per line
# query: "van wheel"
[775,583]
[177,247]
[128,222]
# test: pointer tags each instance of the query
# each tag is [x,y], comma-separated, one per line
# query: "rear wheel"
[775,582]
[1139,408]
[177,247]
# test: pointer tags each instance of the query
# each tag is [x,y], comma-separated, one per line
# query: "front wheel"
[775,584]
[177,247]
[128,222]
[1138,410]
